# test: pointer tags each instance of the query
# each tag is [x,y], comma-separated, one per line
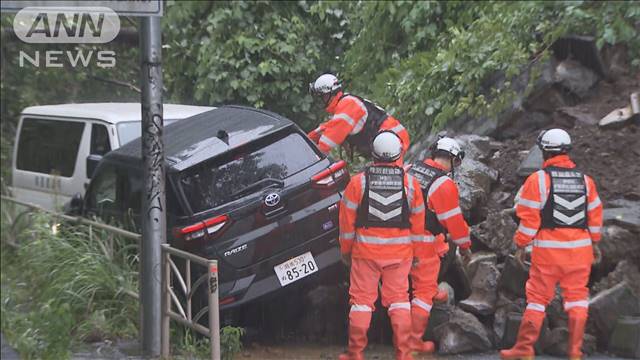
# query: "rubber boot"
[358,327]
[419,322]
[577,323]
[527,336]
[401,325]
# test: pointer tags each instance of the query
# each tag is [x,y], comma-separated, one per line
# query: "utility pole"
[153,203]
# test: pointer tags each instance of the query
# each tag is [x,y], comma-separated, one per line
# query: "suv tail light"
[331,175]
[211,226]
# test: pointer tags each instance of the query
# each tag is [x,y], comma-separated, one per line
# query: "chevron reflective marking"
[385,200]
[570,205]
[569,220]
[384,216]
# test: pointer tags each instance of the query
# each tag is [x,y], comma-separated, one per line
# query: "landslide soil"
[610,156]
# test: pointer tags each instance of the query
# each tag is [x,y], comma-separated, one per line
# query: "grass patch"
[71,286]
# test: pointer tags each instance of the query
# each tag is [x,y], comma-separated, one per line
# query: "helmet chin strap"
[453,173]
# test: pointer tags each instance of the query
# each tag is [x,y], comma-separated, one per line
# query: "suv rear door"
[233,188]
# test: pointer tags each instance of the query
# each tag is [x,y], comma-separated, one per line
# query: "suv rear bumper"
[234,293]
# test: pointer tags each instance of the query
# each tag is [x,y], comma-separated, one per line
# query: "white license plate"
[296,268]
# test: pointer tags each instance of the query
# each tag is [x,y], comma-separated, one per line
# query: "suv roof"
[200,137]
[112,112]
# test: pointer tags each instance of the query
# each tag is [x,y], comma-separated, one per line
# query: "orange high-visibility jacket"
[349,116]
[443,200]
[558,245]
[378,242]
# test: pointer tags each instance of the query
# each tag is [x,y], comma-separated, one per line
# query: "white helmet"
[387,146]
[450,146]
[554,141]
[325,84]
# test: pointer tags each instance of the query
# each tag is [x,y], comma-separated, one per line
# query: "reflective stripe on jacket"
[377,242]
[349,115]
[443,199]
[558,245]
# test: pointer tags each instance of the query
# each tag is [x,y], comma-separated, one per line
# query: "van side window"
[99,140]
[49,146]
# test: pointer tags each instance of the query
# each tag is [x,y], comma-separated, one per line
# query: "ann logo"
[66,25]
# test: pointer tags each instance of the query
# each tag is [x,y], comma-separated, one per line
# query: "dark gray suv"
[245,187]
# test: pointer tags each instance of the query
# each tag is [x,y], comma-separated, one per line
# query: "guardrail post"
[214,311]
[166,303]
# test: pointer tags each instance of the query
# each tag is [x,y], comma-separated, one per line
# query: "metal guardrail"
[185,316]
[77,219]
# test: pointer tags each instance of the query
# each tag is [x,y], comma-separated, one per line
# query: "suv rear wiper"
[256,184]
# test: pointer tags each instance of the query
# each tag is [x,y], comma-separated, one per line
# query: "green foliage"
[261,53]
[63,286]
[230,341]
[444,61]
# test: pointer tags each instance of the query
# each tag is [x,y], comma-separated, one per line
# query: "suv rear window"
[49,146]
[219,181]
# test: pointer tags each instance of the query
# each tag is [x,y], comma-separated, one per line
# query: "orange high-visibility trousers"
[365,275]
[424,282]
[363,292]
[541,286]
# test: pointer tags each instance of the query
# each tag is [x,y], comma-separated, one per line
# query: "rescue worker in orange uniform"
[443,214]
[561,216]
[354,119]
[381,215]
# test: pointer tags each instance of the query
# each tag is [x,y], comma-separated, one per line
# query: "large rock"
[526,122]
[575,77]
[461,334]
[558,340]
[504,307]
[610,305]
[451,294]
[456,276]
[474,178]
[511,333]
[499,124]
[484,290]
[625,340]
[440,314]
[533,162]
[496,232]
[617,118]
[618,244]
[579,113]
[627,217]
[626,271]
[477,258]
[513,278]
[555,312]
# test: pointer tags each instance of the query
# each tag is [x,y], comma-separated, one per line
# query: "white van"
[57,147]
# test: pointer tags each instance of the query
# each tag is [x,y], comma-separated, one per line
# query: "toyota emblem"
[272,200]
